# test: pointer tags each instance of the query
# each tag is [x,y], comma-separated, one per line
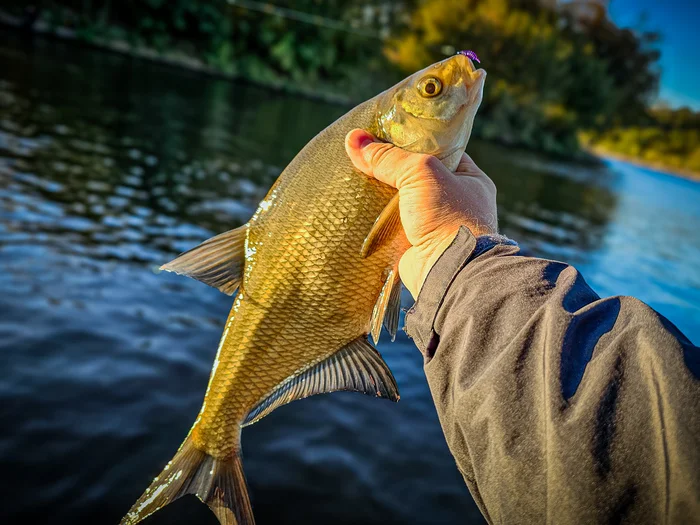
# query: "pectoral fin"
[383,228]
[218,261]
[356,367]
[386,309]
[393,309]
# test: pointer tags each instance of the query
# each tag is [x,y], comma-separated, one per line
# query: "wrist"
[430,253]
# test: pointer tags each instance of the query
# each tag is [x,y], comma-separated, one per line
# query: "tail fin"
[220,483]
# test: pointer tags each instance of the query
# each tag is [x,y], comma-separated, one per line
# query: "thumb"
[381,160]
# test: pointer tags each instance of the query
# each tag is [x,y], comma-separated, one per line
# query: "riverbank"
[492,118]
[174,58]
[663,168]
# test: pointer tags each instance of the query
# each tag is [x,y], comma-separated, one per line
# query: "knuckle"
[486,183]
[379,153]
[428,163]
[491,186]
[421,167]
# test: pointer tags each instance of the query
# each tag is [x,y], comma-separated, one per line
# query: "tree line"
[560,79]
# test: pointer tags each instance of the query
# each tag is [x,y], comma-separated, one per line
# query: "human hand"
[433,201]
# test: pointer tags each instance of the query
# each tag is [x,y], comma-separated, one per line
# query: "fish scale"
[315,269]
[317,266]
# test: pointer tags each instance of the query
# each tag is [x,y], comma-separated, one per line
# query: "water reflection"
[133,163]
[557,210]
[109,167]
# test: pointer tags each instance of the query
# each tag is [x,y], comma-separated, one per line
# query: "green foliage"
[269,46]
[549,75]
[669,139]
[307,53]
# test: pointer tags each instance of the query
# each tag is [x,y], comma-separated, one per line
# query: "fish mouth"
[475,74]
[471,57]
[471,67]
[470,74]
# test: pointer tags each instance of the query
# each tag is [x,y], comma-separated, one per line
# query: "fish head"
[433,110]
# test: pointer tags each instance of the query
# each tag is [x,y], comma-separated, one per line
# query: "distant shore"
[192,63]
[668,170]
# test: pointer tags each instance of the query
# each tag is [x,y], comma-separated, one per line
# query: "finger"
[381,160]
[467,167]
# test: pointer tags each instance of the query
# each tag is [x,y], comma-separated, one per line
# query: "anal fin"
[383,228]
[218,261]
[356,367]
[387,308]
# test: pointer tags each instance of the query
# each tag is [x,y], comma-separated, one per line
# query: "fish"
[314,273]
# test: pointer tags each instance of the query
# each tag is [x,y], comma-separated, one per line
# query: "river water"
[110,166]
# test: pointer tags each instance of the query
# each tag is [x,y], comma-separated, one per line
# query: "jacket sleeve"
[558,406]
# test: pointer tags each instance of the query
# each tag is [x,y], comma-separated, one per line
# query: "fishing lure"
[469,54]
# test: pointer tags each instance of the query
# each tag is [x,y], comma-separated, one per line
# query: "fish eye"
[430,87]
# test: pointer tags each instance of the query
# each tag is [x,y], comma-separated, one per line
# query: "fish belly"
[307,294]
[306,291]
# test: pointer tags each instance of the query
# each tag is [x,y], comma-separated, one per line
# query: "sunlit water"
[109,167]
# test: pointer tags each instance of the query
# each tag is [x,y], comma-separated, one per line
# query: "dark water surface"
[109,167]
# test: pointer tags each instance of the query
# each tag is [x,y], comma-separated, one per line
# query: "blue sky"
[679,23]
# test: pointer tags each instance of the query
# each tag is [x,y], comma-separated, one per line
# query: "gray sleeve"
[558,406]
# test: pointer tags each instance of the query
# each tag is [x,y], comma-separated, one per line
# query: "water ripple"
[109,167]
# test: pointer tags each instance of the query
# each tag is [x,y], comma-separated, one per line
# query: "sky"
[679,23]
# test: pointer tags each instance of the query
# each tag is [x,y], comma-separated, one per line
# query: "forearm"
[556,404]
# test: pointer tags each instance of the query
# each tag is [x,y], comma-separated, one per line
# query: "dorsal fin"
[218,261]
[356,367]
[383,228]
[386,309]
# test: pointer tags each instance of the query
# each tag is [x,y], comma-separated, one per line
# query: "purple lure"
[470,54]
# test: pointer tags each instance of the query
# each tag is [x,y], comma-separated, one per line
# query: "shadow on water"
[109,167]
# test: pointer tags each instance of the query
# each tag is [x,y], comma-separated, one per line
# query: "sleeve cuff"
[421,317]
